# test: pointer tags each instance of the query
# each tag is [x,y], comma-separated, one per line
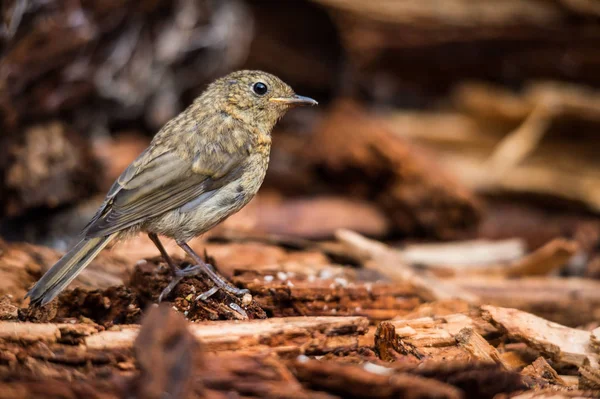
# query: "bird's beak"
[295,100]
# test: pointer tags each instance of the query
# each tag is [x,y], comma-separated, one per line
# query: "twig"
[392,264]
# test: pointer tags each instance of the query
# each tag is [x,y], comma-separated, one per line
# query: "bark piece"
[479,348]
[560,343]
[541,370]
[29,332]
[444,337]
[253,375]
[8,311]
[21,265]
[552,394]
[280,294]
[475,379]
[589,378]
[167,354]
[369,382]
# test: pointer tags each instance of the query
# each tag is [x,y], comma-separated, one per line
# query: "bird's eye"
[260,88]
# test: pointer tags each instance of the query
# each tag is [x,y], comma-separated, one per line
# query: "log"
[295,335]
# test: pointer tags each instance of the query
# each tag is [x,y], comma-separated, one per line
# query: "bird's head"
[255,97]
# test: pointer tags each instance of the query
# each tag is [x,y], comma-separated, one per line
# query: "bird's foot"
[220,283]
[179,275]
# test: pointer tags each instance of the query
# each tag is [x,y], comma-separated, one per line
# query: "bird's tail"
[66,269]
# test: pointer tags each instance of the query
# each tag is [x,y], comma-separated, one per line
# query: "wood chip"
[540,369]
[478,347]
[560,343]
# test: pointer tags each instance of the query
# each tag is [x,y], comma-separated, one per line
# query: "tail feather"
[66,269]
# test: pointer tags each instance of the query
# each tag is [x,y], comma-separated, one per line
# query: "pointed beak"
[295,100]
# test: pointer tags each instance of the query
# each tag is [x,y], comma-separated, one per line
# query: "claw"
[207,294]
[219,282]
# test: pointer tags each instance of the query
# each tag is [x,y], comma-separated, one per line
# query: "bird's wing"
[154,184]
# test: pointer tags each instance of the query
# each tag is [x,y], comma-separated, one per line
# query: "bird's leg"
[208,270]
[163,252]
[178,273]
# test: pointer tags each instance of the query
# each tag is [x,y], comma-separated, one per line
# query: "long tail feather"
[66,269]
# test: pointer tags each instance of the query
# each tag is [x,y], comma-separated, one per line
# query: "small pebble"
[325,274]
[342,282]
[269,278]
[303,358]
[376,369]
[247,299]
[282,276]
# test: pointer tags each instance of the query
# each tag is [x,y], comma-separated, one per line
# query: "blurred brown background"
[437,120]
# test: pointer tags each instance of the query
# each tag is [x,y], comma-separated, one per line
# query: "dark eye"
[260,88]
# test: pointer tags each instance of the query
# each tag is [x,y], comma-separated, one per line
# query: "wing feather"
[153,185]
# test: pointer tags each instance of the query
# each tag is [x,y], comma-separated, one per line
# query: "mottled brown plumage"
[201,167]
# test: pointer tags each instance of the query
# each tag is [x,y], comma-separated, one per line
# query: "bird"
[201,167]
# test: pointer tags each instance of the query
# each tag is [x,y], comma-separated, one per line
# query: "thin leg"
[163,252]
[208,269]
[178,274]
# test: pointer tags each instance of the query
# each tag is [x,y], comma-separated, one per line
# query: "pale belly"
[205,212]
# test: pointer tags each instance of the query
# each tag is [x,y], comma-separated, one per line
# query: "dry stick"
[541,262]
[465,254]
[521,142]
[544,260]
[391,263]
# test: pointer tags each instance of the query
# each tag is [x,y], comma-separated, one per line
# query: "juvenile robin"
[201,167]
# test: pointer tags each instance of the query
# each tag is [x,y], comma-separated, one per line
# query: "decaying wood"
[22,264]
[561,344]
[479,348]
[369,382]
[388,171]
[295,334]
[589,377]
[553,298]
[552,394]
[453,337]
[540,369]
[329,292]
[165,351]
